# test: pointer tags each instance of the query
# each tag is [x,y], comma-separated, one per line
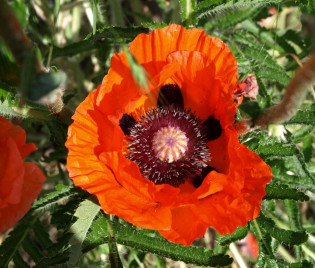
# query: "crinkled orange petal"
[201,86]
[225,200]
[156,46]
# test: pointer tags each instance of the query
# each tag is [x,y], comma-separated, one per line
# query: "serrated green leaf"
[19,262]
[266,37]
[203,10]
[206,4]
[303,117]
[294,222]
[307,148]
[286,236]
[62,193]
[129,235]
[281,191]
[74,49]
[42,236]
[32,249]
[154,25]
[58,131]
[85,215]
[293,214]
[303,264]
[91,41]
[59,258]
[12,244]
[231,19]
[238,234]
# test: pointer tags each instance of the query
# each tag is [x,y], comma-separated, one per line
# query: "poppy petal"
[32,185]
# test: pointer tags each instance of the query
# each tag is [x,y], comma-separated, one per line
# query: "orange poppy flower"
[20,183]
[167,157]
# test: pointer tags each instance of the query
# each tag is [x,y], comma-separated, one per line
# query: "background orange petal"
[32,185]
[17,134]
[11,173]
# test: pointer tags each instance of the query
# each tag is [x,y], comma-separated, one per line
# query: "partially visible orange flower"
[20,183]
[252,245]
[167,157]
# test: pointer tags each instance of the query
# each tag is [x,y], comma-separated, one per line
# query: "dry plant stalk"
[293,97]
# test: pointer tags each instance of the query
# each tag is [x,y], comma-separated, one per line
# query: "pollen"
[169,144]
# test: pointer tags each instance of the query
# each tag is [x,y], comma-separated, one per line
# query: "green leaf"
[266,37]
[12,244]
[58,132]
[203,10]
[281,191]
[306,117]
[85,215]
[31,248]
[137,238]
[74,49]
[42,236]
[59,258]
[19,262]
[231,19]
[92,41]
[295,222]
[261,62]
[303,264]
[154,25]
[187,11]
[293,214]
[307,148]
[238,234]
[286,236]
[62,193]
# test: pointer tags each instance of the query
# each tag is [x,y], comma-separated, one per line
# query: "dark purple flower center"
[168,143]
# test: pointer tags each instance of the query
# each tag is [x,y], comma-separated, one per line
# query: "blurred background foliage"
[66,53]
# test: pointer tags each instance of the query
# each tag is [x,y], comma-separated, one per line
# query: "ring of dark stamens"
[141,151]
